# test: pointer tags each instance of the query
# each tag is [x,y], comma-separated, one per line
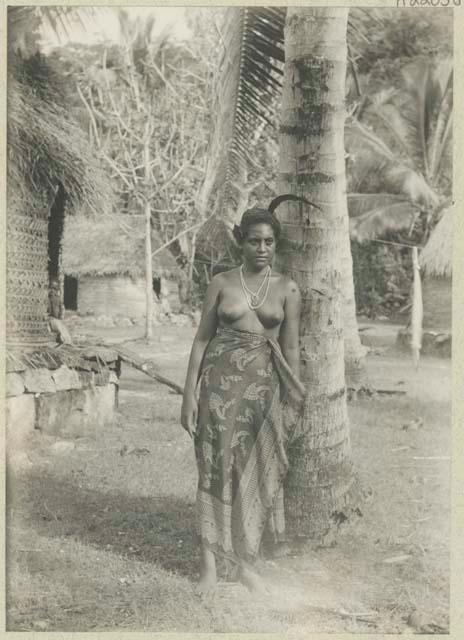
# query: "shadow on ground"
[155,530]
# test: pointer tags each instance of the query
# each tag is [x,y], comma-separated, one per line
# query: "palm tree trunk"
[356,378]
[312,164]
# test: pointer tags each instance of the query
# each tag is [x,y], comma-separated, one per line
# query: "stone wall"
[64,401]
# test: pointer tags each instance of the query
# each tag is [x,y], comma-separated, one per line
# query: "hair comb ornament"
[289,196]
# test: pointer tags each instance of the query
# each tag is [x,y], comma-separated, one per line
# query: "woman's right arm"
[206,331]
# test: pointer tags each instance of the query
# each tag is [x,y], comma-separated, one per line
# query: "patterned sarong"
[249,406]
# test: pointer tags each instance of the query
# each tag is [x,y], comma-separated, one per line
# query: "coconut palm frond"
[357,135]
[64,21]
[443,127]
[248,81]
[425,97]
[59,21]
[397,127]
[363,22]
[373,159]
[373,215]
[415,124]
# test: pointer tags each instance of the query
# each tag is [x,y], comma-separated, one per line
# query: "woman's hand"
[189,414]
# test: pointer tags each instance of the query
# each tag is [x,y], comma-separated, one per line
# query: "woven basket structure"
[27,274]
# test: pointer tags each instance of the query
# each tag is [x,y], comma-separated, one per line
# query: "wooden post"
[148,259]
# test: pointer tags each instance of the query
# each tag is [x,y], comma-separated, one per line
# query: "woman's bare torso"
[233,310]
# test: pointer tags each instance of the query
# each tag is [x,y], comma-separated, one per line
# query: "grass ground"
[100,531]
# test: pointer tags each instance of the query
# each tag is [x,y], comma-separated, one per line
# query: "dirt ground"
[100,531]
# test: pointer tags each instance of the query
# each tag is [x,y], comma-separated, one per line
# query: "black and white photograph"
[228,345]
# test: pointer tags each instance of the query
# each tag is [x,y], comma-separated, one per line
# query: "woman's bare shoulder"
[286,282]
[225,276]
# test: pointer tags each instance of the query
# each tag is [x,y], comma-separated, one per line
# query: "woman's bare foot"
[280,550]
[252,580]
[208,579]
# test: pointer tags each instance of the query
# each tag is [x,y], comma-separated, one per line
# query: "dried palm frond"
[246,88]
[45,146]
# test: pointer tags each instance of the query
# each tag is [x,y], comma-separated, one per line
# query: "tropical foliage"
[400,155]
[249,86]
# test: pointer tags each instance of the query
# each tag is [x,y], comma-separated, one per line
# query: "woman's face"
[259,246]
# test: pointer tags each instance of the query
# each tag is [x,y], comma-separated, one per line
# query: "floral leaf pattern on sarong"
[255,391]
[241,358]
[207,451]
[226,381]
[205,373]
[246,416]
[220,406]
[216,351]
[265,373]
[239,439]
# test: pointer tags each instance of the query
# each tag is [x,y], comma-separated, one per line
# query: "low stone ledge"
[20,419]
[66,378]
[39,381]
[100,353]
[87,378]
[102,377]
[12,365]
[76,412]
[14,384]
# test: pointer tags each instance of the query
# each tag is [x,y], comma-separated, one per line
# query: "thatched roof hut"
[104,264]
[436,261]
[111,245]
[436,257]
[50,169]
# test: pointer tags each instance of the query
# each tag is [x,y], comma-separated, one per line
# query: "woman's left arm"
[289,330]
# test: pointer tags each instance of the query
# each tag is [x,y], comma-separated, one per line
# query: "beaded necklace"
[253,297]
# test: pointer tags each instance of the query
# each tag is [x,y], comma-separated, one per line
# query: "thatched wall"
[117,296]
[27,273]
[436,294]
[436,258]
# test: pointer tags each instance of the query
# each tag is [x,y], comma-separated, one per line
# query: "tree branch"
[182,233]
[91,116]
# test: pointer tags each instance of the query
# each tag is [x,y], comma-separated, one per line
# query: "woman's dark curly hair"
[258,215]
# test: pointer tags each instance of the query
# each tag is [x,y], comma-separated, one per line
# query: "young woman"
[246,356]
